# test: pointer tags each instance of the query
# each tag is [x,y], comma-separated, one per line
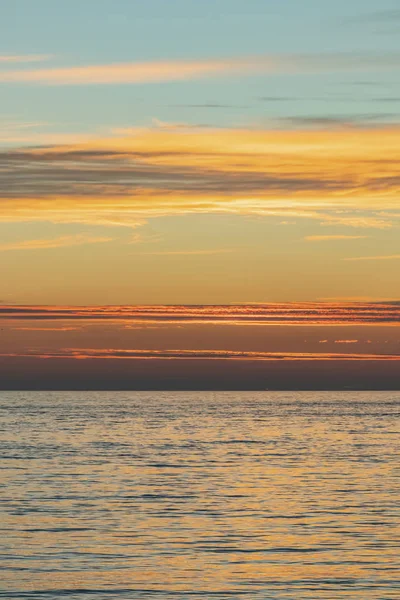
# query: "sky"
[199,153]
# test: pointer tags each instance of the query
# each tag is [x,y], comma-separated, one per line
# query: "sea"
[200,495]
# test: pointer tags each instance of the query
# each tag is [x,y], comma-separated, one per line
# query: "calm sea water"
[200,495]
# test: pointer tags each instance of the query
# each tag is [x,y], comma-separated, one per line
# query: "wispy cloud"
[144,238]
[60,242]
[212,105]
[39,138]
[277,99]
[359,221]
[180,70]
[342,121]
[323,238]
[189,252]
[46,328]
[23,58]
[123,354]
[142,72]
[38,133]
[359,299]
[387,257]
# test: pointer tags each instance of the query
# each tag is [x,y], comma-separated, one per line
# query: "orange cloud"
[46,328]
[359,299]
[307,313]
[90,353]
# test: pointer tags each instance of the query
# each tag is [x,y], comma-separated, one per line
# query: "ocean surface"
[125,495]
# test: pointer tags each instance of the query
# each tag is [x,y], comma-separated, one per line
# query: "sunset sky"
[185,153]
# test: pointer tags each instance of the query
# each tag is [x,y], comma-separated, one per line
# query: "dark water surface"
[200,495]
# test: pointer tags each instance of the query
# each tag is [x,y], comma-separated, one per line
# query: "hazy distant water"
[200,495]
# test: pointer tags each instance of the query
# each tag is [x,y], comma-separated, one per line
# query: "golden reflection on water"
[130,495]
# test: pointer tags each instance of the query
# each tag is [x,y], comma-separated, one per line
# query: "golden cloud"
[339,177]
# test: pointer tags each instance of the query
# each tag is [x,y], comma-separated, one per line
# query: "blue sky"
[90,32]
[115,29]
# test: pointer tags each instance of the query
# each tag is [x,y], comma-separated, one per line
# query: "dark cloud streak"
[378,17]
[97,173]
[299,313]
